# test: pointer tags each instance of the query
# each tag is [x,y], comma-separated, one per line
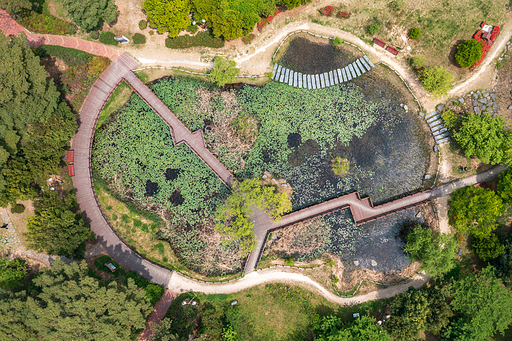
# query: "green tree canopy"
[468,53]
[57,227]
[330,328]
[503,263]
[505,186]
[224,71]
[168,15]
[436,80]
[435,251]
[89,14]
[475,209]
[245,196]
[488,247]
[15,6]
[484,303]
[483,136]
[12,272]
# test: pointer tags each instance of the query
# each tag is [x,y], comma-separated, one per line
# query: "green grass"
[115,102]
[205,39]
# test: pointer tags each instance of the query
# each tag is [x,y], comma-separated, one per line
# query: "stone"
[439,107]
[475,96]
[477,110]
[436,148]
[461,100]
[428,176]
[483,100]
[486,94]
[374,263]
[421,114]
[401,105]
[356,263]
[419,214]
[495,106]
[483,108]
[475,103]
[471,93]
[406,108]
[509,107]
[493,96]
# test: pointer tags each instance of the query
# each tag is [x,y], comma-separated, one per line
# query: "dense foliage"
[468,53]
[505,186]
[205,39]
[434,251]
[485,137]
[488,247]
[90,14]
[475,209]
[245,196]
[15,6]
[65,303]
[331,328]
[168,15]
[436,80]
[35,127]
[139,38]
[12,272]
[415,33]
[108,38]
[224,71]
[503,263]
[57,227]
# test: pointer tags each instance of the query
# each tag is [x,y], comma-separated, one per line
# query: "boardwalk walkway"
[362,210]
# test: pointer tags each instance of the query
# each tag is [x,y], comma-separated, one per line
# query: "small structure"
[122,39]
[71,170]
[392,50]
[379,42]
[111,266]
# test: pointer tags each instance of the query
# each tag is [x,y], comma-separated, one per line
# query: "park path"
[157,314]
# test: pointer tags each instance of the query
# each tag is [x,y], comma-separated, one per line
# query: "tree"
[330,328]
[168,15]
[409,312]
[505,186]
[233,216]
[161,332]
[15,6]
[488,247]
[468,53]
[67,304]
[12,272]
[13,312]
[224,71]
[88,14]
[434,251]
[484,304]
[483,136]
[436,80]
[475,209]
[503,263]
[57,228]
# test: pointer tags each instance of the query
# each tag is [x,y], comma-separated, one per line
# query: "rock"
[494,115]
[483,100]
[477,110]
[461,100]
[486,95]
[493,96]
[436,148]
[428,177]
[471,93]
[405,107]
[374,263]
[483,108]
[264,176]
[401,105]
[475,103]
[421,114]
[495,106]
[356,263]
[475,96]
[418,215]
[509,107]
[439,107]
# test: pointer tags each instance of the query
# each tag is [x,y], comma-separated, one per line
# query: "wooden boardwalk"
[362,210]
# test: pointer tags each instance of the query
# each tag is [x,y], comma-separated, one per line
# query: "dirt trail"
[179,283]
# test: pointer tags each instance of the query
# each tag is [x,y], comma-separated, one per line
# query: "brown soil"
[504,90]
[19,220]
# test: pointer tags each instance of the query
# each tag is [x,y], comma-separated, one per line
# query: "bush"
[373,28]
[468,53]
[143,24]
[192,29]
[108,38]
[154,292]
[139,38]
[201,39]
[340,166]
[436,80]
[248,39]
[18,208]
[327,10]
[396,5]
[488,247]
[94,35]
[337,41]
[152,33]
[140,281]
[344,15]
[289,261]
[415,33]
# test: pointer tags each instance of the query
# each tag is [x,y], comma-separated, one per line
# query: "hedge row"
[201,39]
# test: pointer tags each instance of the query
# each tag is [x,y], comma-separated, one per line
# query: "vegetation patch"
[205,39]
[340,166]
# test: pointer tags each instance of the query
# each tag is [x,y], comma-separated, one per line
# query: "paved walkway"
[158,314]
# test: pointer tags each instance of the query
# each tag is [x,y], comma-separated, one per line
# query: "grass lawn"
[118,98]
[266,312]
[443,24]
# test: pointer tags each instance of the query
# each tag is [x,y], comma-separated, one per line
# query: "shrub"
[140,281]
[201,39]
[192,29]
[327,10]
[488,247]
[108,38]
[337,41]
[72,28]
[248,39]
[396,5]
[436,80]
[452,121]
[373,28]
[18,208]
[154,292]
[468,53]
[139,38]
[415,33]
[289,261]
[94,35]
[344,15]
[340,166]
[143,24]
[152,33]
